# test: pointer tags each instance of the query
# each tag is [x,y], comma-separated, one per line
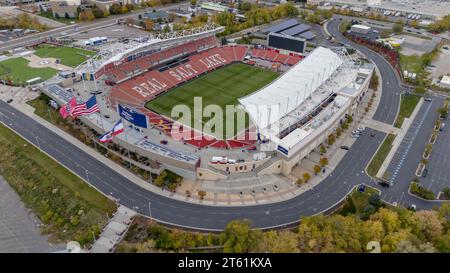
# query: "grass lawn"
[357,202]
[221,87]
[69,208]
[19,72]
[381,154]
[413,63]
[69,56]
[407,106]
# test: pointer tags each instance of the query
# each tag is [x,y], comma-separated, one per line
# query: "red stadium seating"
[150,84]
[275,56]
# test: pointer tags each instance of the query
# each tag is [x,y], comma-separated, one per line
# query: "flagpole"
[126,140]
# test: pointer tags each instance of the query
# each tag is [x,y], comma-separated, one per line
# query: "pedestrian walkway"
[114,231]
[381,126]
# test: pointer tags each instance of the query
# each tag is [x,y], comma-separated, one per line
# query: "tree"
[115,9]
[97,12]
[375,200]
[299,182]
[238,237]
[201,194]
[430,224]
[398,27]
[324,161]
[317,169]
[123,9]
[279,242]
[331,139]
[149,24]
[306,177]
[193,2]
[442,111]
[322,149]
[244,6]
[420,90]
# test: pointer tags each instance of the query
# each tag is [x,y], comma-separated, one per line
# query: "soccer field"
[69,56]
[221,87]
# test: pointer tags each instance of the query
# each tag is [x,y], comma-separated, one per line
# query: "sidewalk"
[114,231]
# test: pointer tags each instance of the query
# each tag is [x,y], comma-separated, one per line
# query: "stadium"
[291,102]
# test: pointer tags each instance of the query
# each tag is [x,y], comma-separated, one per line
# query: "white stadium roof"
[286,93]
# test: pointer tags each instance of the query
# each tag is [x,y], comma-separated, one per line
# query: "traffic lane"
[320,198]
[70,29]
[180,213]
[410,151]
[439,161]
[419,132]
[389,101]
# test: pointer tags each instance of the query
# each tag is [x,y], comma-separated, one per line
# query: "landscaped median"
[407,106]
[380,156]
[69,208]
[416,189]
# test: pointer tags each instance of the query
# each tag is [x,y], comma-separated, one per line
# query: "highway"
[348,173]
[77,28]
[196,216]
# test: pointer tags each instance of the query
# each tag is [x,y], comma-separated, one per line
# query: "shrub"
[299,182]
[323,149]
[306,177]
[201,194]
[420,191]
[317,169]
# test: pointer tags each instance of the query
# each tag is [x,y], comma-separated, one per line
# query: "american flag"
[89,107]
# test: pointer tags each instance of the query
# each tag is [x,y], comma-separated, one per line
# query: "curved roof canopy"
[286,93]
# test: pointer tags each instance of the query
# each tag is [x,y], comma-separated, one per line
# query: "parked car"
[361,129]
[428,99]
[345,148]
[9,101]
[163,142]
[425,172]
[356,132]
[355,135]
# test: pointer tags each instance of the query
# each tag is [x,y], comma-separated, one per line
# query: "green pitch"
[69,56]
[221,87]
[18,71]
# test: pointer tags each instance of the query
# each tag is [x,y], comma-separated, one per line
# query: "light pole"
[39,145]
[150,209]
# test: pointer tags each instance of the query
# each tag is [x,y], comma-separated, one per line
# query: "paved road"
[408,155]
[175,212]
[390,98]
[76,28]
[348,173]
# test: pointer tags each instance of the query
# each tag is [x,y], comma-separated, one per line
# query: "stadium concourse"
[137,82]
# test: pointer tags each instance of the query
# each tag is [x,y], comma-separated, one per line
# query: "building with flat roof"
[445,82]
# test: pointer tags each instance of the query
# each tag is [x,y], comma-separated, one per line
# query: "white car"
[361,129]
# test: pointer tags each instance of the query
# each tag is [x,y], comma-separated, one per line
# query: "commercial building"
[445,82]
[65,8]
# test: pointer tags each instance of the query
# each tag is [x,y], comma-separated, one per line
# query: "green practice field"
[69,56]
[221,87]
[19,72]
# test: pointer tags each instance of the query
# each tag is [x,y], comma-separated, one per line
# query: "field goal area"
[221,87]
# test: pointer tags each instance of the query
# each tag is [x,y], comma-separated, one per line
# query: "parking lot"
[19,228]
[440,66]
[112,32]
[438,176]
[416,46]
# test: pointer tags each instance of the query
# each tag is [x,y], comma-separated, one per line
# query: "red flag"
[67,109]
